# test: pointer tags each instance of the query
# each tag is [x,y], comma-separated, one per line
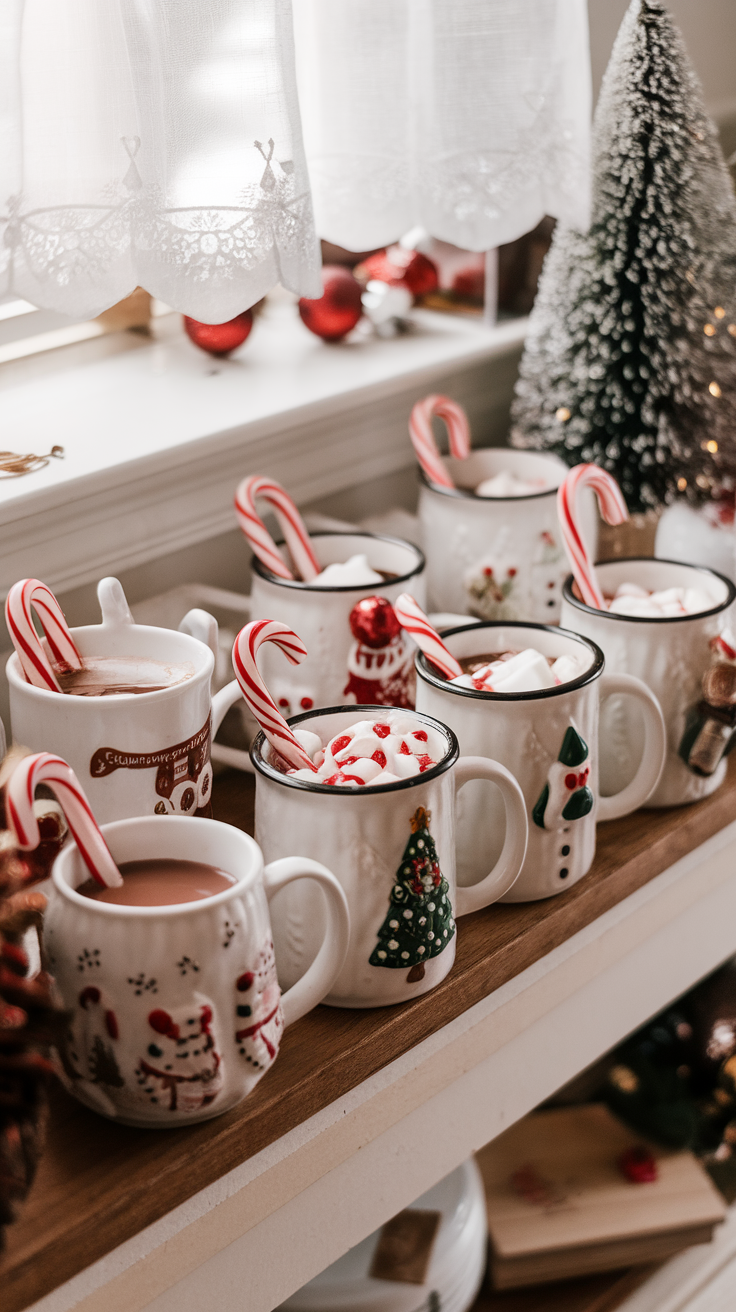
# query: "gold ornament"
[14,465]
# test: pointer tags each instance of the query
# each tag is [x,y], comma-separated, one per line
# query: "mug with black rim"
[392,848]
[549,740]
[671,655]
[346,660]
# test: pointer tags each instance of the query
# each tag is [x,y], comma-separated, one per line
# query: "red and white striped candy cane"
[292,527]
[614,511]
[420,431]
[411,617]
[32,594]
[256,694]
[61,779]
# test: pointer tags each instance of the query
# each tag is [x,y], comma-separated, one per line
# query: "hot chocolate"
[371,753]
[121,676]
[161,882]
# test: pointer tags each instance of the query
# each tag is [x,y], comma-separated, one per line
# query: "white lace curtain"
[469,118]
[158,142]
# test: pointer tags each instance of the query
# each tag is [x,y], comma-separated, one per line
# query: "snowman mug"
[548,739]
[671,655]
[392,847]
[339,666]
[133,755]
[175,1012]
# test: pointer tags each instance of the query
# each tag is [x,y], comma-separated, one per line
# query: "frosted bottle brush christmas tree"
[630,360]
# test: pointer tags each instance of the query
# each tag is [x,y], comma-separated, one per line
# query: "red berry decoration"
[638,1165]
[219,338]
[339,308]
[374,623]
[400,268]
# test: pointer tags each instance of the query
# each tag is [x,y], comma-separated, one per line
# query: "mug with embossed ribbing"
[670,655]
[134,753]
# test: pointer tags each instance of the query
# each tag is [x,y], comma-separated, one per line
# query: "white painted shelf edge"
[272,1223]
[157,437]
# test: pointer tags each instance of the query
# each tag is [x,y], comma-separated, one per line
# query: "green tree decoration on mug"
[419,923]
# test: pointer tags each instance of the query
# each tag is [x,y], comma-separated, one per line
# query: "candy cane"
[33,594]
[613,509]
[412,618]
[420,431]
[61,779]
[256,694]
[292,527]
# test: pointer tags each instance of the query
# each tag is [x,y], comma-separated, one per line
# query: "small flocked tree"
[419,923]
[630,360]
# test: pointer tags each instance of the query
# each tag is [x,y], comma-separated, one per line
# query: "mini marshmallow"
[372,752]
[507,484]
[355,572]
[566,668]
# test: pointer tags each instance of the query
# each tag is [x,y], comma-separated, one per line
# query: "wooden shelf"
[100,1183]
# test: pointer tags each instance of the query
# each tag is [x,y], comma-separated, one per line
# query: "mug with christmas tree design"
[392,847]
[549,740]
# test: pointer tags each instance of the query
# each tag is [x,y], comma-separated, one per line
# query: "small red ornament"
[373,622]
[400,268]
[219,338]
[638,1165]
[339,308]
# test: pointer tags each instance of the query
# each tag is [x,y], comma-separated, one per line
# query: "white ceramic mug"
[175,1011]
[338,668]
[549,740]
[670,655]
[369,834]
[499,558]
[137,754]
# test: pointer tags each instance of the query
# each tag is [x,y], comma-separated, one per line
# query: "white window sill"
[157,435]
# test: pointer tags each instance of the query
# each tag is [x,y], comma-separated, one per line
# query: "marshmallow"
[636,602]
[355,573]
[506,484]
[372,752]
[527,671]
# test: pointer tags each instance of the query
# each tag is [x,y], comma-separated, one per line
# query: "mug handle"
[647,776]
[324,970]
[509,863]
[113,602]
[203,626]
[222,701]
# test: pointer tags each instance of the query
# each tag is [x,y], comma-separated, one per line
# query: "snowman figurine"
[560,846]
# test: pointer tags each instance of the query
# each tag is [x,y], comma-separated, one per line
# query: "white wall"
[709,29]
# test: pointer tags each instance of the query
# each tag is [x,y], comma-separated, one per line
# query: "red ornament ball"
[373,622]
[219,338]
[400,268]
[338,310]
[638,1165]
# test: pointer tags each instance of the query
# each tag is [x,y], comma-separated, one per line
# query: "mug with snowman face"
[175,1011]
[549,741]
[135,753]
[356,650]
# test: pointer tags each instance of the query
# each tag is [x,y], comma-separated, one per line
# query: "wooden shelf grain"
[100,1183]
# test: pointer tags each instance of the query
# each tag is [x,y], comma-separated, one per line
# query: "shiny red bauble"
[402,268]
[338,310]
[373,622]
[219,338]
